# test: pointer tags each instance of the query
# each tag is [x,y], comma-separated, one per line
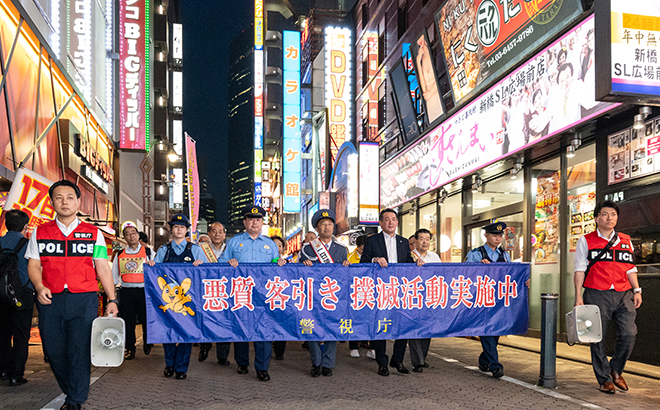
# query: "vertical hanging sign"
[258,96]
[292,143]
[133,75]
[193,182]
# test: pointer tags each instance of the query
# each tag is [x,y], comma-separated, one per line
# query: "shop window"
[427,218]
[408,223]
[545,192]
[451,230]
[498,193]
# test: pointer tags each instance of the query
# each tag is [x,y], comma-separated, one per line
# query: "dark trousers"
[177,356]
[380,346]
[620,308]
[15,323]
[262,354]
[221,349]
[279,348]
[132,307]
[419,349]
[489,355]
[354,344]
[66,326]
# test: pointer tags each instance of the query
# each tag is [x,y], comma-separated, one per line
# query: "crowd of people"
[64,260]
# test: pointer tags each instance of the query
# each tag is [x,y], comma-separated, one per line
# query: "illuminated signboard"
[425,70]
[292,144]
[338,86]
[483,39]
[80,45]
[177,136]
[177,91]
[133,75]
[370,97]
[479,135]
[369,183]
[626,64]
[177,188]
[258,96]
[177,42]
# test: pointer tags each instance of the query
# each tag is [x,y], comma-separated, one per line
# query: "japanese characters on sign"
[541,98]
[29,193]
[133,75]
[291,134]
[369,182]
[338,303]
[338,85]
[79,61]
[482,39]
[370,97]
[193,182]
[258,96]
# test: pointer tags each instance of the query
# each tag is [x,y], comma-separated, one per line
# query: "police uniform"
[177,356]
[247,250]
[488,360]
[67,255]
[323,360]
[128,271]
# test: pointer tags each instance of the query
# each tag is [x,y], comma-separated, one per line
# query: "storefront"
[525,152]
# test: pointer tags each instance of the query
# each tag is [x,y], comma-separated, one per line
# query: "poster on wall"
[29,193]
[547,219]
[581,208]
[634,153]
[483,39]
[425,69]
[618,157]
[543,97]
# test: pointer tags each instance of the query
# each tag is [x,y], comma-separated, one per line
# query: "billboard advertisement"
[534,102]
[133,75]
[627,65]
[407,114]
[633,153]
[291,127]
[428,80]
[369,183]
[483,39]
[338,85]
[258,96]
[29,193]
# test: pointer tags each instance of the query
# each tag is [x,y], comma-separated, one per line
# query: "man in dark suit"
[383,248]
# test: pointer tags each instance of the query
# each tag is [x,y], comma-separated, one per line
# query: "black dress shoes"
[484,368]
[17,381]
[383,371]
[418,369]
[129,355]
[425,364]
[223,362]
[305,345]
[262,375]
[498,373]
[147,349]
[242,370]
[316,371]
[169,371]
[400,367]
[203,354]
[279,357]
[181,375]
[69,406]
[326,371]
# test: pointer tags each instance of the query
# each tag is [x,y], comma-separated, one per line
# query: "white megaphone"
[583,325]
[108,339]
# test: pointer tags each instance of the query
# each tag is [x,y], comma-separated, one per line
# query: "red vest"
[131,266]
[68,260]
[612,268]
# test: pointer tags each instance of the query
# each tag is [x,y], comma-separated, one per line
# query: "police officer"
[177,356]
[323,250]
[604,266]
[490,252]
[128,271]
[252,247]
[65,256]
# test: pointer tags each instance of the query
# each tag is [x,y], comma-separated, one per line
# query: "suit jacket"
[374,247]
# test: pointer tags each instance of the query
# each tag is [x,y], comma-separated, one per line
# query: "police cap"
[496,228]
[253,211]
[322,214]
[179,219]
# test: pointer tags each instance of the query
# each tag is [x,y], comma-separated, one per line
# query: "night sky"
[207,32]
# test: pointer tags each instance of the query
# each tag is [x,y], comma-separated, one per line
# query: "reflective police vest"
[611,269]
[68,260]
[131,266]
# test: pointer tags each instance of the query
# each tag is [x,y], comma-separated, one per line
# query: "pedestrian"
[384,248]
[179,250]
[128,272]
[213,249]
[419,348]
[280,346]
[604,266]
[323,250]
[15,321]
[65,258]
[354,257]
[252,247]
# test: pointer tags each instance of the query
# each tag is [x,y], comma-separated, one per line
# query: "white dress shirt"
[32,250]
[390,244]
[431,257]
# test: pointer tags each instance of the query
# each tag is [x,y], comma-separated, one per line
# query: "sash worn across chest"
[321,251]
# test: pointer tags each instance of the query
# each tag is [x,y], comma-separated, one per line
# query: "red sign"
[293,244]
[653,146]
[29,193]
[132,76]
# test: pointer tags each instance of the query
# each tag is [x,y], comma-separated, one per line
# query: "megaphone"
[108,340]
[583,325]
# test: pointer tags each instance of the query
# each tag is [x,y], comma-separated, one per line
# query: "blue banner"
[266,302]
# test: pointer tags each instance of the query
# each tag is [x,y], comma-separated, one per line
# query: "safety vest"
[611,269]
[68,260]
[131,266]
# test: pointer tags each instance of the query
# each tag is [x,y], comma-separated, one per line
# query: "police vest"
[131,266]
[68,260]
[611,269]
